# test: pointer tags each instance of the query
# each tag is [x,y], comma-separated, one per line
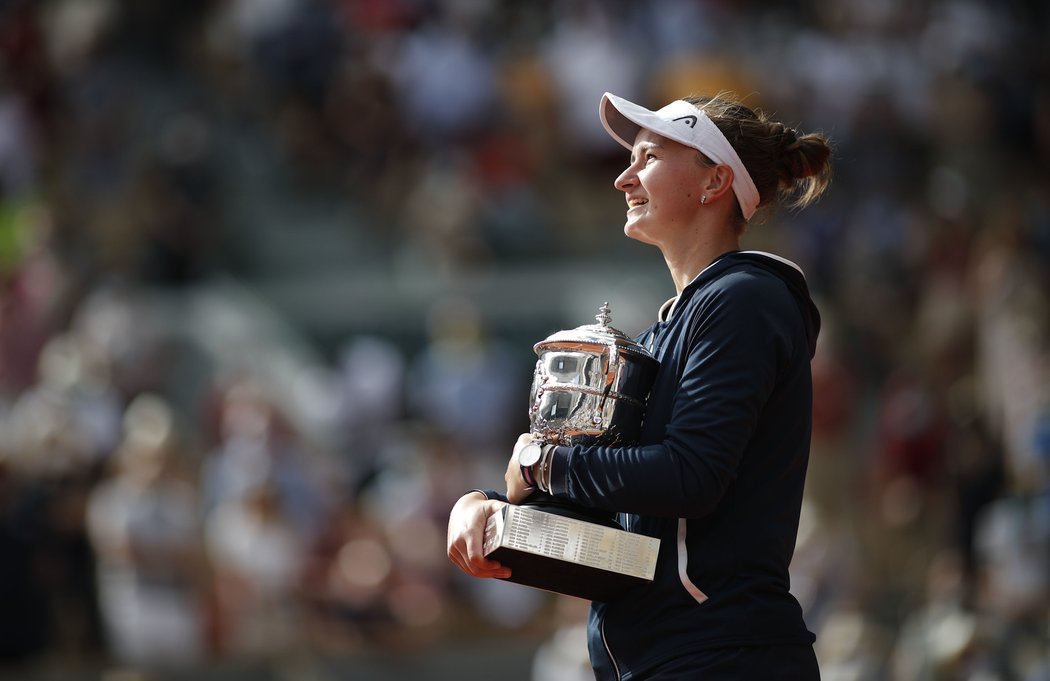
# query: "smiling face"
[663,185]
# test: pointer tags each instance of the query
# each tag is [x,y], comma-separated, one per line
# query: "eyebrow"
[644,146]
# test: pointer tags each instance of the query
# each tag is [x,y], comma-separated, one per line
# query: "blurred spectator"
[70,420]
[440,211]
[588,52]
[940,638]
[25,632]
[33,288]
[1013,546]
[444,80]
[143,526]
[256,554]
[1011,308]
[912,434]
[258,446]
[371,404]
[563,656]
[852,645]
[347,572]
[465,381]
[361,109]
[832,479]
[17,152]
[827,563]
[976,471]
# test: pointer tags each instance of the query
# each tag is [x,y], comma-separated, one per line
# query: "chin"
[632,231]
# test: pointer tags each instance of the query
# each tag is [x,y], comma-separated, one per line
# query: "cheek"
[675,189]
[687,189]
[679,202]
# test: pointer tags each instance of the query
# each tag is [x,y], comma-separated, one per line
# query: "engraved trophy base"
[566,555]
[557,506]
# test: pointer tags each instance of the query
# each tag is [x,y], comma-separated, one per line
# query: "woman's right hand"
[466,536]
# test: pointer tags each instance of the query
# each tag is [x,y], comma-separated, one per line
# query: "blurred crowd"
[185,476]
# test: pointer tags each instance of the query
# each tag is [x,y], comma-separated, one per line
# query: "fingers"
[476,565]
[482,568]
[466,536]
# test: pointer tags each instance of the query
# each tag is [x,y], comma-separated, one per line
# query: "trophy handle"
[539,378]
[611,368]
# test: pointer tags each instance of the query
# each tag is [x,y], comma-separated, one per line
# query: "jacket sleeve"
[728,367]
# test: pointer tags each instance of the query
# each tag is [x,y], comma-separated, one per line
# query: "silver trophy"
[590,387]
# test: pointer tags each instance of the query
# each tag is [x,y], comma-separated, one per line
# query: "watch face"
[530,454]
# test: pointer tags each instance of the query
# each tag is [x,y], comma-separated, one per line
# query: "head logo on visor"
[683,123]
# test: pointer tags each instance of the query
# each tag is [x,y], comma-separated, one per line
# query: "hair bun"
[788,167]
[786,138]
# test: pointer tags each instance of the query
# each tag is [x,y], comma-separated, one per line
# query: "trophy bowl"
[590,386]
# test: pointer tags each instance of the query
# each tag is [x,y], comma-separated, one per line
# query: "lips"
[636,201]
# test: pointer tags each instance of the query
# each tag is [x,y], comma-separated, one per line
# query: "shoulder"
[745,284]
[745,306]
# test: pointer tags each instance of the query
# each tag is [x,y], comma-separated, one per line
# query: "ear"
[719,182]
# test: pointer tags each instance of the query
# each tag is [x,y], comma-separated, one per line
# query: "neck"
[684,263]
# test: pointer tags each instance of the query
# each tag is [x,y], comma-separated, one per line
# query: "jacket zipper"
[608,651]
[605,641]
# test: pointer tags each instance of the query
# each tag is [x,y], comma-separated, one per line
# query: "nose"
[626,179]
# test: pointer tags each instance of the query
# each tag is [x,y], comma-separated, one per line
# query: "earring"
[703,200]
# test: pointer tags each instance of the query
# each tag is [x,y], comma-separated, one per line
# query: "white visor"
[683,123]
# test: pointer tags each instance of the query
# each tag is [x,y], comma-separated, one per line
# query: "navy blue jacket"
[717,475]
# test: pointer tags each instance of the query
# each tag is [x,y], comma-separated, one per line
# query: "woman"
[719,470]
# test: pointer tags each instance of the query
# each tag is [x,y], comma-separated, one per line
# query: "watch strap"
[543,469]
[527,476]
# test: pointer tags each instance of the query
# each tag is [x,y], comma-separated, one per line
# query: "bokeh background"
[272,270]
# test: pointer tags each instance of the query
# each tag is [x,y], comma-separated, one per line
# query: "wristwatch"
[528,457]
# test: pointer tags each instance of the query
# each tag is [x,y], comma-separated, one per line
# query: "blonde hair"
[788,168]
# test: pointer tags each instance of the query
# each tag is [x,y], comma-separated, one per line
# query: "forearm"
[653,480]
